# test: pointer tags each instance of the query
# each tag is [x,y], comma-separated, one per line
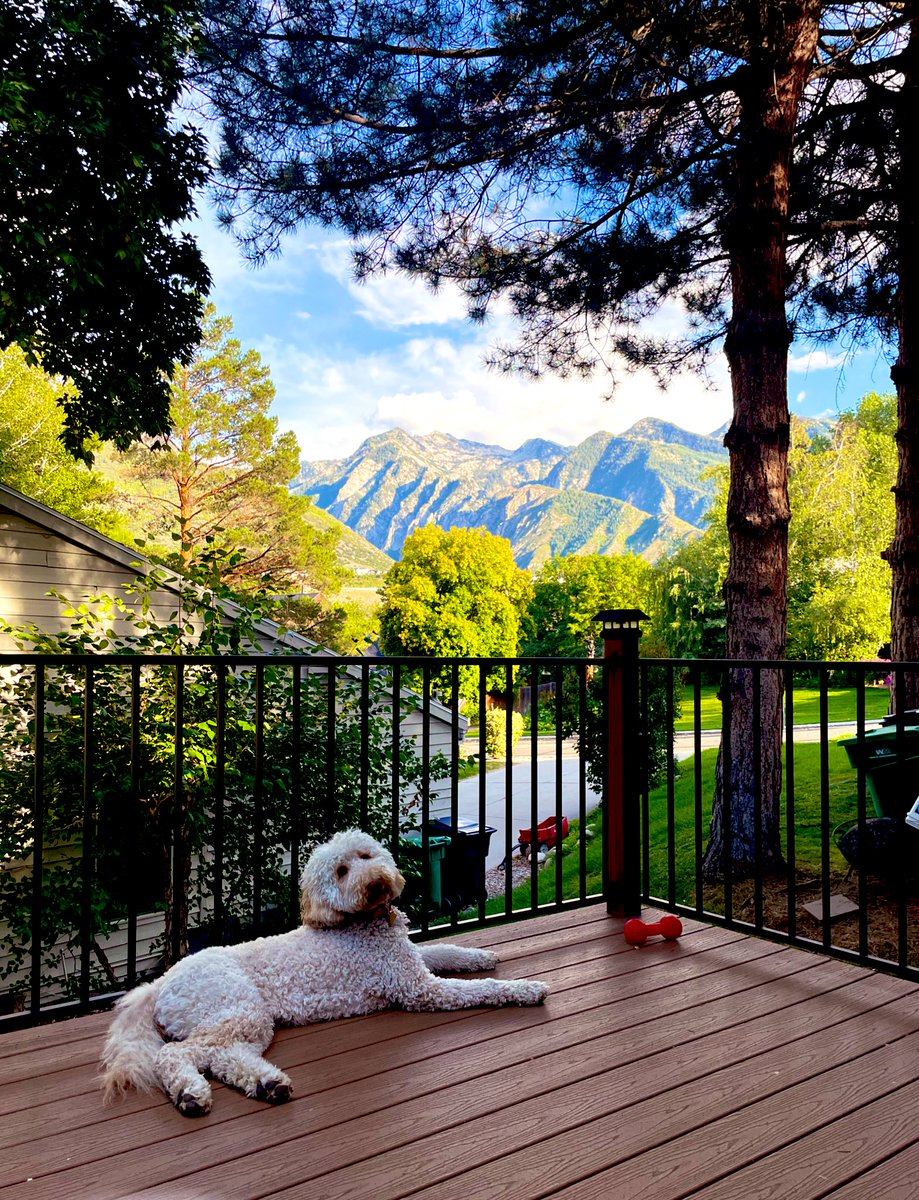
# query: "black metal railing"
[152,805]
[834,865]
[149,806]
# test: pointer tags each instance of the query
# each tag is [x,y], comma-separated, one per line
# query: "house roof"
[87,539]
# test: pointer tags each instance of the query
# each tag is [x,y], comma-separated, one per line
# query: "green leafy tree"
[568,593]
[843,501]
[455,593]
[839,589]
[33,459]
[95,284]
[219,475]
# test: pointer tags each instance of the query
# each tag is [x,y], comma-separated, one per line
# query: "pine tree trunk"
[903,552]
[782,38]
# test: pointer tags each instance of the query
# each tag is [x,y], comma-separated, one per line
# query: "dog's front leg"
[444,995]
[440,956]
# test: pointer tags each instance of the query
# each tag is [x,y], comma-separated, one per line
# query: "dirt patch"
[890,909]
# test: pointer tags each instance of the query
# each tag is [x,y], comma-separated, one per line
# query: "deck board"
[712,1067]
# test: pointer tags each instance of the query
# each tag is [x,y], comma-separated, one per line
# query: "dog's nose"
[377,890]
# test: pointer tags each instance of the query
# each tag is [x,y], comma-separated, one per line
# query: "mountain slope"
[640,491]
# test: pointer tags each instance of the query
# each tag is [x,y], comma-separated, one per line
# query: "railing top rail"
[416,661]
[357,660]
[793,664]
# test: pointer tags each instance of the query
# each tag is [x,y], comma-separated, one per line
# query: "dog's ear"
[316,913]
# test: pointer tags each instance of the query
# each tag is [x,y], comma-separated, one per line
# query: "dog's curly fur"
[215,1012]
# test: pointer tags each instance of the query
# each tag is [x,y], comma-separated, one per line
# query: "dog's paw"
[531,991]
[485,960]
[274,1091]
[193,1106]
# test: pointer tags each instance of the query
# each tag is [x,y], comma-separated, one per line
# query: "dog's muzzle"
[378,891]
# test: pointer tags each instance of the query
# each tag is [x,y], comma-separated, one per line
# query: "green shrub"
[496,731]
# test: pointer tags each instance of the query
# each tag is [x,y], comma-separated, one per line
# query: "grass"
[841,706]
[842,790]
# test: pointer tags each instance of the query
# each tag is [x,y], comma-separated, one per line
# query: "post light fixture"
[617,621]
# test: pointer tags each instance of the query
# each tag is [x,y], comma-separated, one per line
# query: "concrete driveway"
[496,806]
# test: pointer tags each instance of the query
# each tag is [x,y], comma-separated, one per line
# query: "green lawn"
[841,706]
[843,809]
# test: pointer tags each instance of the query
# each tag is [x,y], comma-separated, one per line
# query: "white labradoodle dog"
[215,1012]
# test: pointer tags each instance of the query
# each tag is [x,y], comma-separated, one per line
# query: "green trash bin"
[891,766]
[413,852]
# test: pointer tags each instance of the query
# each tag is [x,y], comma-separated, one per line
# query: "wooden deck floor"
[715,1067]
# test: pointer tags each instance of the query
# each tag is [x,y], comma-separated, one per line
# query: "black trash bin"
[464,865]
[891,764]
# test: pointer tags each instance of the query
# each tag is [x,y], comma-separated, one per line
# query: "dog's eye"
[363,856]
[342,871]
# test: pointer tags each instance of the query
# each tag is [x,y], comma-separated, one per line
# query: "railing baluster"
[178,900]
[582,781]
[534,786]
[328,816]
[88,848]
[425,802]
[697,787]
[727,786]
[645,780]
[396,779]
[790,832]
[826,889]
[220,777]
[132,847]
[559,784]
[483,774]
[38,838]
[671,790]
[508,788]
[757,798]
[258,799]
[365,744]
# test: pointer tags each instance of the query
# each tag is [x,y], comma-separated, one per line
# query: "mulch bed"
[884,909]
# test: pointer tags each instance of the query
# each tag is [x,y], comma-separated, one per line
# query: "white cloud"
[393,300]
[814,360]
[800,398]
[434,383]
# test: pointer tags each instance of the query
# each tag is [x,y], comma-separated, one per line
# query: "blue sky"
[349,360]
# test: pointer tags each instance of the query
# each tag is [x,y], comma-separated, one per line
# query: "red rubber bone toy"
[637,931]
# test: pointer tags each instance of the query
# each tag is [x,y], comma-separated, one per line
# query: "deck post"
[621,629]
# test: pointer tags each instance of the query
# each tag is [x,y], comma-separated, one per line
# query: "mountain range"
[644,491]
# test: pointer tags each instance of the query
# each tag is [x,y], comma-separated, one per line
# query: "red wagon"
[548,833]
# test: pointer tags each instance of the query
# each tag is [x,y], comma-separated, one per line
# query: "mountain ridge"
[639,491]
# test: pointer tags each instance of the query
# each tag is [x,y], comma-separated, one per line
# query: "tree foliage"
[568,593]
[94,176]
[218,478]
[454,593]
[839,588]
[32,457]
